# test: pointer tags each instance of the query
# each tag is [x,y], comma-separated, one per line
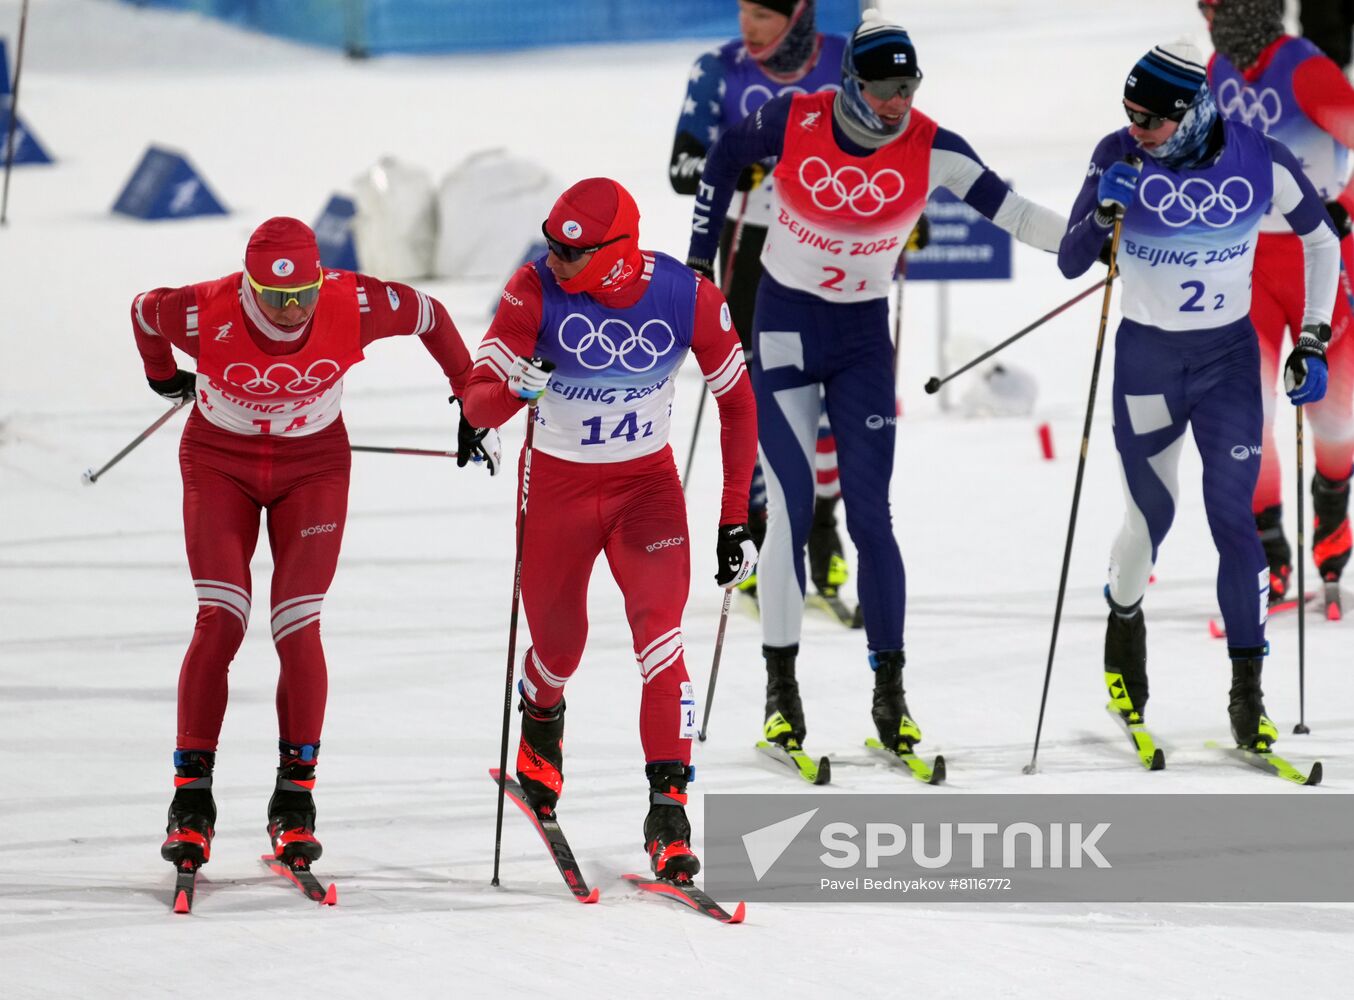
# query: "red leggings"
[635,513]
[1277,300]
[228,479]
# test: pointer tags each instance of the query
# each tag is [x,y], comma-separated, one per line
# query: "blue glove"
[1118,185]
[1305,373]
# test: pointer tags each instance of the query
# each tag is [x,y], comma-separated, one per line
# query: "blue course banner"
[27,149]
[334,233]
[964,246]
[164,185]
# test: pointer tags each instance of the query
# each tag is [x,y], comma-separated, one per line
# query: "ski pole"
[724,287]
[430,452]
[714,667]
[933,384]
[89,477]
[512,620]
[1031,768]
[1301,729]
[14,114]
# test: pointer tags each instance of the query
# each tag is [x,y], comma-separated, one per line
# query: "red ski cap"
[282,253]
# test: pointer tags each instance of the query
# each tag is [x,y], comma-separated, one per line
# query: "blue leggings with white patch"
[802,343]
[1209,379]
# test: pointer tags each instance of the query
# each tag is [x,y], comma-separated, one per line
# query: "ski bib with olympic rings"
[1188,240]
[1269,105]
[242,388]
[839,222]
[610,395]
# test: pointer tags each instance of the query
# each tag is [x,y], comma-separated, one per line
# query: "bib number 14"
[627,428]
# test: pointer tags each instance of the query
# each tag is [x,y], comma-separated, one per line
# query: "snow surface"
[96,604]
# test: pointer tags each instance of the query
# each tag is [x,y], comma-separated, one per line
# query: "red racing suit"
[266,433]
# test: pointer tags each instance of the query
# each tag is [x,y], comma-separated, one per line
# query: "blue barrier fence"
[378,27]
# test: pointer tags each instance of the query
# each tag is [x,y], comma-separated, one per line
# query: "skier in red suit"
[1285,87]
[271,344]
[615,323]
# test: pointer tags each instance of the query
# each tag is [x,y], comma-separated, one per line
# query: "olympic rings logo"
[598,348]
[762,94]
[849,187]
[1196,198]
[1249,106]
[281,377]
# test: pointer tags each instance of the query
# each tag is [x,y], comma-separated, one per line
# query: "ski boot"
[827,560]
[667,832]
[1126,662]
[540,755]
[1269,523]
[897,731]
[1330,537]
[192,813]
[784,712]
[1251,728]
[291,810]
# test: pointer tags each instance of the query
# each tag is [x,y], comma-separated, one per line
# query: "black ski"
[1271,763]
[688,894]
[929,774]
[549,829]
[298,873]
[1149,754]
[185,885]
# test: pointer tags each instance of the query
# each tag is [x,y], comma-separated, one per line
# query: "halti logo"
[1241,452]
[394,298]
[223,331]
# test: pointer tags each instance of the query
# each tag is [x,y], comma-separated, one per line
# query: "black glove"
[736,553]
[181,385]
[702,267]
[478,445]
[750,177]
[920,236]
[1340,216]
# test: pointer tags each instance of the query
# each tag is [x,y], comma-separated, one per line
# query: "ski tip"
[181,904]
[739,912]
[1215,630]
[1158,761]
[591,897]
[937,770]
[824,774]
[330,895]
[494,773]
[1314,776]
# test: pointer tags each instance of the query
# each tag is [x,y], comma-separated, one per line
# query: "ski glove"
[1118,185]
[1339,217]
[1304,373]
[737,555]
[703,267]
[920,237]
[476,444]
[181,385]
[528,377]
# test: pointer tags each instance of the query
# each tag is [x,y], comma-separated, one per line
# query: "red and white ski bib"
[840,221]
[243,389]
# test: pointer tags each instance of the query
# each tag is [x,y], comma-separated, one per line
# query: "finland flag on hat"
[880,49]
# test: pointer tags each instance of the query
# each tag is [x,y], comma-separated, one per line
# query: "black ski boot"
[1269,523]
[784,713]
[1126,661]
[897,730]
[291,810]
[667,832]
[1250,726]
[540,755]
[827,558]
[1330,535]
[192,813]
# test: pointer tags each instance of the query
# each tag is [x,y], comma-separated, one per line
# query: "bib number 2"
[1197,294]
[835,277]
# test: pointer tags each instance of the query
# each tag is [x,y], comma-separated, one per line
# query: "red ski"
[549,829]
[688,894]
[1216,630]
[298,873]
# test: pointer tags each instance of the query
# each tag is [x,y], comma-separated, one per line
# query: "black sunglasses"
[1147,120]
[568,253]
[884,90]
